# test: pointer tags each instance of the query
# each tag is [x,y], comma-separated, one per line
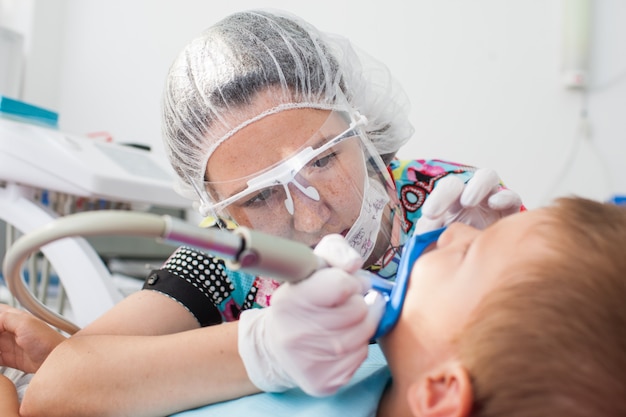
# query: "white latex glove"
[478,203]
[316,332]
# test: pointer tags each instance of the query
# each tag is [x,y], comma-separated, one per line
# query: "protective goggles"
[273,183]
[330,168]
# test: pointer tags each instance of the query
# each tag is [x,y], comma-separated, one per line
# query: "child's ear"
[446,392]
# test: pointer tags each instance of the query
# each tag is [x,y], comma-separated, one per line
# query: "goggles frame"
[285,172]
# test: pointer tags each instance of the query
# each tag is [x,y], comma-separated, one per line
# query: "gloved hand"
[316,332]
[478,203]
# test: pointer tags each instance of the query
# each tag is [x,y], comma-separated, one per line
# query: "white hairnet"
[211,86]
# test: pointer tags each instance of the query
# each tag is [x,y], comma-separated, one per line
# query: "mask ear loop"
[413,249]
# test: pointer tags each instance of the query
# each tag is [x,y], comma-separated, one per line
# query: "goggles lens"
[309,172]
[271,186]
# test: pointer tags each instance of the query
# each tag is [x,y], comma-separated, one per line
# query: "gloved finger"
[426,224]
[357,333]
[336,251]
[327,287]
[324,334]
[334,331]
[484,183]
[505,199]
[350,314]
[443,197]
[376,304]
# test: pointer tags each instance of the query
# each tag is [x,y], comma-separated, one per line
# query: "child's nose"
[455,233]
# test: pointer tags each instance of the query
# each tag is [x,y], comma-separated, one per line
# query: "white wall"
[483,76]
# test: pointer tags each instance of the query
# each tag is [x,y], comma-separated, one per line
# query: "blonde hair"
[554,342]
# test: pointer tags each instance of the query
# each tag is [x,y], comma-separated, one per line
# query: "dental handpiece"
[248,250]
[258,253]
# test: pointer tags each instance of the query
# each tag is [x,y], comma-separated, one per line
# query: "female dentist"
[270,124]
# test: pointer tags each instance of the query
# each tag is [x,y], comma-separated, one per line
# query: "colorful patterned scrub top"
[215,294]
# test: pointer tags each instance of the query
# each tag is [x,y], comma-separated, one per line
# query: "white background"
[484,76]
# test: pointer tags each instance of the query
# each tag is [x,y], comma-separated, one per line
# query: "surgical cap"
[212,85]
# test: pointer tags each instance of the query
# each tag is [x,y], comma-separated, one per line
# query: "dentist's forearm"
[97,375]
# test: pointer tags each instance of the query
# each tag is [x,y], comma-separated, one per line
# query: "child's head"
[526,318]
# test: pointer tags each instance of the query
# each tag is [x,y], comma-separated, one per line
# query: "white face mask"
[364,232]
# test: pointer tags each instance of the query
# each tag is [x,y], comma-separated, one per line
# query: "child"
[525,319]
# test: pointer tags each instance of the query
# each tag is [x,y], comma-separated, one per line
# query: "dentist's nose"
[310,215]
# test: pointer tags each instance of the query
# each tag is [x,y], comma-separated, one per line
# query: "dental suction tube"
[251,251]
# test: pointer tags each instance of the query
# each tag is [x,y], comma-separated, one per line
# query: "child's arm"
[25,340]
[9,404]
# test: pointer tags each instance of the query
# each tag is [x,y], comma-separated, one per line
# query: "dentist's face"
[449,282]
[337,175]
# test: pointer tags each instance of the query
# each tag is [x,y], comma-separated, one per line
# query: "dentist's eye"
[260,198]
[324,161]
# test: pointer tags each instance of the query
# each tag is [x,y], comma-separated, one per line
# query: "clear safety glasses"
[327,165]
[273,183]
